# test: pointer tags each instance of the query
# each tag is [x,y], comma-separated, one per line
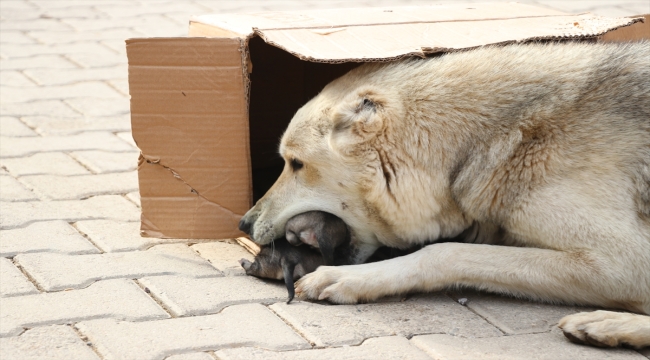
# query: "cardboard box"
[208,110]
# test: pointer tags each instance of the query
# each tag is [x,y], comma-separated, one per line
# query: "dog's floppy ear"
[359,117]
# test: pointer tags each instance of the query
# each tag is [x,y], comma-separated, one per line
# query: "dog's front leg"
[570,277]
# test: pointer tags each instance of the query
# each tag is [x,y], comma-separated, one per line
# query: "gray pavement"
[78,282]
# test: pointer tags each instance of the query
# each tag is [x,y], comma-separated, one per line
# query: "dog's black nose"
[245,226]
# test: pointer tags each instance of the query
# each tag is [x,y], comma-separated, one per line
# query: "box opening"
[280,84]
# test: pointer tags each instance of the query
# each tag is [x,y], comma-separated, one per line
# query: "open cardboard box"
[208,110]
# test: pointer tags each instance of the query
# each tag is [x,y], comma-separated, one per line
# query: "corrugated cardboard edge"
[640,30]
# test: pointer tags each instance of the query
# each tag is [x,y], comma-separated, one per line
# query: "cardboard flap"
[244,24]
[374,34]
[393,41]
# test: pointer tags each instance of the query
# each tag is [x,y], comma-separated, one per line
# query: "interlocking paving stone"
[17,147]
[19,214]
[49,125]
[95,88]
[11,126]
[12,190]
[57,271]
[388,348]
[70,76]
[34,24]
[15,37]
[12,281]
[54,163]
[14,79]
[249,324]
[116,236]
[47,236]
[224,255]
[102,107]
[78,187]
[121,85]
[51,37]
[127,136]
[326,325]
[191,356]
[107,162]
[28,50]
[551,345]
[185,297]
[54,108]
[37,62]
[514,316]
[54,342]
[134,197]
[98,61]
[121,299]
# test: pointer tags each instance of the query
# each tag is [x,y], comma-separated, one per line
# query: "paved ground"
[77,281]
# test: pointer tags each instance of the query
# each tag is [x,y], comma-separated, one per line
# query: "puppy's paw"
[338,285]
[607,329]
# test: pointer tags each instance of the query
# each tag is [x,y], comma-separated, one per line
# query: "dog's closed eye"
[296,164]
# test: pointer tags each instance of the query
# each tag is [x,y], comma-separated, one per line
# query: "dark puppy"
[322,231]
[280,260]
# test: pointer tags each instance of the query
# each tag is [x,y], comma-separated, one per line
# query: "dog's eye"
[296,164]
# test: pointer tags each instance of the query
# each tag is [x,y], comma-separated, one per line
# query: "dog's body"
[541,150]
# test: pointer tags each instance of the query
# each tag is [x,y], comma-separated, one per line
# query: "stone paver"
[18,214]
[546,346]
[12,190]
[116,236]
[47,236]
[95,88]
[514,316]
[56,108]
[58,271]
[11,126]
[102,107]
[224,255]
[12,281]
[134,197]
[37,62]
[49,125]
[127,137]
[188,297]
[17,147]
[54,163]
[107,162]
[57,187]
[9,79]
[191,356]
[29,50]
[121,299]
[57,342]
[351,324]
[71,76]
[250,324]
[48,37]
[385,348]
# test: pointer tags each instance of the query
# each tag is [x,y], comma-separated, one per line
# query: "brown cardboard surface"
[208,112]
[190,121]
[637,31]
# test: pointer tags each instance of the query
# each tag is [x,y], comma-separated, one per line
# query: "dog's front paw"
[336,284]
[607,328]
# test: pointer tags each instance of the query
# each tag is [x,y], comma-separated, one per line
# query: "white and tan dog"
[538,155]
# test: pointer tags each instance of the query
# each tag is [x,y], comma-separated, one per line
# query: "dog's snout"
[245,225]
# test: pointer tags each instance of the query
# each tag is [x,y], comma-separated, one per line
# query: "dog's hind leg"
[607,328]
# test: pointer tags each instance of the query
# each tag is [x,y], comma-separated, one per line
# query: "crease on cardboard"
[175,174]
[338,27]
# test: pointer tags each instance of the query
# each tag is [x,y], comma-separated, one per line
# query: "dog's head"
[342,156]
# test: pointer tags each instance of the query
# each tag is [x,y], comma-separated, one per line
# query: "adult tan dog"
[538,155]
